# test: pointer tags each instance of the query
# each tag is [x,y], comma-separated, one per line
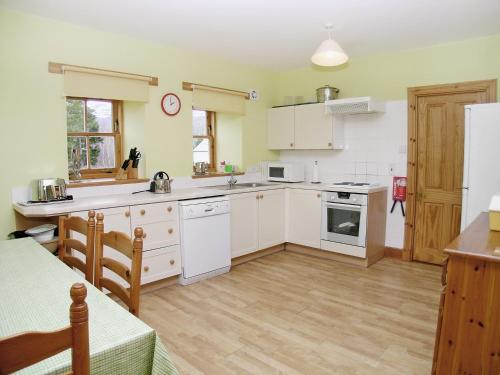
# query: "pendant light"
[329,52]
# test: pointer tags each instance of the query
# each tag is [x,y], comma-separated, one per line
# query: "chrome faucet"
[232,181]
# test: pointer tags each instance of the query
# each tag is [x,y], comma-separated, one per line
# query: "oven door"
[344,223]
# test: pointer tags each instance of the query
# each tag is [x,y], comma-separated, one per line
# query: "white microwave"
[285,172]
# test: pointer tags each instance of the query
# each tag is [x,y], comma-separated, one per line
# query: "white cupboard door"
[271,218]
[280,128]
[244,224]
[304,217]
[313,127]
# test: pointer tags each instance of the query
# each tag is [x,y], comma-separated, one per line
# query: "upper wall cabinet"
[304,127]
[280,128]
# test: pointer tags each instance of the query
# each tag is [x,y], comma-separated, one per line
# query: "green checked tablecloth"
[34,296]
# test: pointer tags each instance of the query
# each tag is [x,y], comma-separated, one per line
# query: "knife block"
[122,174]
[132,173]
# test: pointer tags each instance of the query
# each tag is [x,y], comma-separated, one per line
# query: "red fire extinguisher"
[398,192]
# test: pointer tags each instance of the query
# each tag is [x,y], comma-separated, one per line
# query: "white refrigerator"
[481,159]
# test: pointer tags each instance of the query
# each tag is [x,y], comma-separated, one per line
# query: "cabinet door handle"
[329,144]
[144,235]
[257,196]
[172,262]
[127,213]
[318,195]
[169,209]
[143,212]
[291,144]
[262,196]
[146,268]
[170,231]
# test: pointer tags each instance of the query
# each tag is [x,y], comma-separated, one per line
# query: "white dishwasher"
[205,238]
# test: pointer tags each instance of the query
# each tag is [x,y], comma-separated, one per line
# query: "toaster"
[50,189]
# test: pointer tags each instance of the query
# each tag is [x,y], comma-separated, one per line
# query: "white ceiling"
[278,34]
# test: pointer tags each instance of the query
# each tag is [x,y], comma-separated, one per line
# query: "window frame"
[211,118]
[117,134]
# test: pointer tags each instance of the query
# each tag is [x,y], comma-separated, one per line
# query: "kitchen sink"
[237,186]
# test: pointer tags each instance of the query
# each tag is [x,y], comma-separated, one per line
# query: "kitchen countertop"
[120,200]
[477,241]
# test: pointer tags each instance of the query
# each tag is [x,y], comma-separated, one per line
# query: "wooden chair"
[132,250]
[86,228]
[25,349]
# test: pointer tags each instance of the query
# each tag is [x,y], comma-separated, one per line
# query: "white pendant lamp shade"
[329,52]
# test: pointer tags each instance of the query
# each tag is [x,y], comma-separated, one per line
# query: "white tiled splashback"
[375,152]
[375,149]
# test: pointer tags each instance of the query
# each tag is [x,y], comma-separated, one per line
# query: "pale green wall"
[229,138]
[133,132]
[32,114]
[387,76]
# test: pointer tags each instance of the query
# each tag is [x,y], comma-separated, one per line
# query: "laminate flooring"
[288,313]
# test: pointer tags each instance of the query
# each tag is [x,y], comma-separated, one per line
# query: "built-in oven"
[344,218]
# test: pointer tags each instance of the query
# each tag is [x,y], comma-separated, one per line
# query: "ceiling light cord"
[329,28]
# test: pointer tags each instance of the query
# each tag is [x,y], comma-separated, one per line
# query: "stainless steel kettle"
[160,184]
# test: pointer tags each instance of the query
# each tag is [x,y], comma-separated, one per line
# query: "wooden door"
[280,128]
[437,179]
[313,127]
[271,218]
[304,217]
[244,225]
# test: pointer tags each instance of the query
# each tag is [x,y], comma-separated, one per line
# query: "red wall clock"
[170,104]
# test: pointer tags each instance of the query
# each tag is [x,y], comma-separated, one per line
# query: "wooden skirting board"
[294,248]
[257,254]
[393,252]
[155,285]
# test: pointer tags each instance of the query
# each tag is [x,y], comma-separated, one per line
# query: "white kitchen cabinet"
[160,263]
[244,223]
[257,221]
[304,217]
[160,223]
[317,130]
[280,128]
[271,218]
[161,251]
[304,127]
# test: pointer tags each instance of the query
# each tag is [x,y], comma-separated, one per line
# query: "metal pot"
[326,93]
[161,185]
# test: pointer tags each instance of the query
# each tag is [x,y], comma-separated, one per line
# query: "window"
[204,138]
[94,135]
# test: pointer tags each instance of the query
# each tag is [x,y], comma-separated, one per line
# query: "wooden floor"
[294,314]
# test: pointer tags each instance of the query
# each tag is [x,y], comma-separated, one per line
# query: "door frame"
[489,87]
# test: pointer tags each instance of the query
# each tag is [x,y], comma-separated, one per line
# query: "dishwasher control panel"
[205,207]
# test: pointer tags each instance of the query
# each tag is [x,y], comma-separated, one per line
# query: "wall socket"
[392,169]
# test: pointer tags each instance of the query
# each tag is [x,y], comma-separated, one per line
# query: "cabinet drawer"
[160,264]
[160,234]
[149,213]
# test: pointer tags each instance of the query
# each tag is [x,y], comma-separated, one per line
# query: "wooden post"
[98,250]
[135,283]
[61,249]
[89,257]
[79,318]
